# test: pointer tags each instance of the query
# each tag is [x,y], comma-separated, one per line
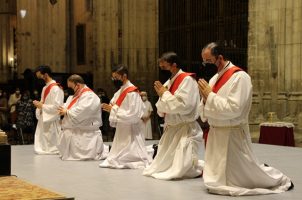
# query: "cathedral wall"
[274,60]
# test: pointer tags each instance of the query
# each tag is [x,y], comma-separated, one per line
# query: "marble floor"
[84,180]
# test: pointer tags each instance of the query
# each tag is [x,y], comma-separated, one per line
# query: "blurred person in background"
[147,128]
[25,115]
[12,102]
[3,110]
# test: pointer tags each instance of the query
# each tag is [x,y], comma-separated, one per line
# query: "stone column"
[299,116]
[293,107]
[41,35]
[256,110]
[267,105]
[256,116]
[274,57]
[126,33]
[281,105]
[7,51]
[106,15]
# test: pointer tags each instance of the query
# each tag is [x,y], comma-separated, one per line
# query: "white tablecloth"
[278,124]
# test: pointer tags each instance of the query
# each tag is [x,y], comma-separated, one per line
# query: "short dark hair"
[44,69]
[216,49]
[76,79]
[170,57]
[120,69]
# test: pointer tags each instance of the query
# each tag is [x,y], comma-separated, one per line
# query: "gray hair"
[76,79]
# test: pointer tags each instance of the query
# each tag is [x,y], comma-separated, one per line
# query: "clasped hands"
[204,89]
[106,107]
[62,111]
[38,104]
[159,88]
[145,119]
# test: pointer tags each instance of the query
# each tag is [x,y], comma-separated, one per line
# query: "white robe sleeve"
[38,113]
[230,105]
[50,107]
[182,102]
[202,115]
[130,111]
[86,105]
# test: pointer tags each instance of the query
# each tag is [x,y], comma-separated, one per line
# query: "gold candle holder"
[271,116]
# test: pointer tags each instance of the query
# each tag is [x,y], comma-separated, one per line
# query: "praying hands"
[204,89]
[106,107]
[159,88]
[62,111]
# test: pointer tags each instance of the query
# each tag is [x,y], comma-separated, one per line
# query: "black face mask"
[208,70]
[42,78]
[164,74]
[118,83]
[70,91]
[209,65]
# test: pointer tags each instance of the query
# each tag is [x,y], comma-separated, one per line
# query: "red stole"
[47,90]
[122,96]
[225,77]
[178,81]
[75,99]
[221,81]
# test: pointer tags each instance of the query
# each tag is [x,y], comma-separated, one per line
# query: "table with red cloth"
[277,133]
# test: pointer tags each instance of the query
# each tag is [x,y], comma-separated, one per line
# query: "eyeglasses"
[209,61]
[114,78]
[204,63]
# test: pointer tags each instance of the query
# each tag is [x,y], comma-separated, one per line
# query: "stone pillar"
[106,14]
[126,33]
[274,37]
[255,105]
[299,116]
[41,35]
[281,105]
[7,51]
[293,107]
[256,116]
[267,106]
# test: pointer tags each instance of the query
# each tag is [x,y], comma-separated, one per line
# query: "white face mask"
[144,98]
